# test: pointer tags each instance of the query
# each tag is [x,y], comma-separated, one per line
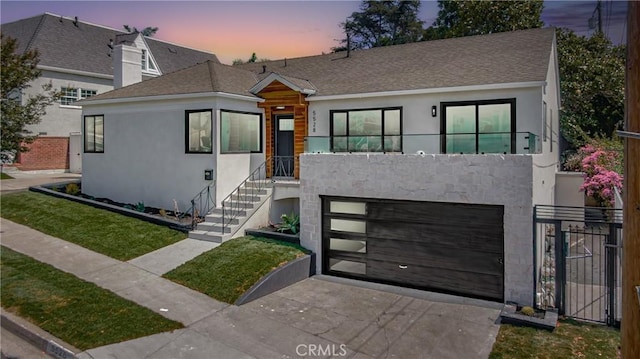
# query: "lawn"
[78,312]
[4,176]
[226,272]
[571,339]
[105,232]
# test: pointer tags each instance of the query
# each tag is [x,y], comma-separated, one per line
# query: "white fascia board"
[277,77]
[511,85]
[75,72]
[88,101]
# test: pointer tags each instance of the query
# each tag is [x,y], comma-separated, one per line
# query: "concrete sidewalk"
[23,180]
[313,318]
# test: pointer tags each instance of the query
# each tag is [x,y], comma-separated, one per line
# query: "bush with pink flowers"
[601,169]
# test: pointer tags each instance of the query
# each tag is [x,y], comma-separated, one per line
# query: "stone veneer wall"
[482,179]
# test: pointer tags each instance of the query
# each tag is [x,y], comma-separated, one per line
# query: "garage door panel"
[434,212]
[488,239]
[466,283]
[451,247]
[429,255]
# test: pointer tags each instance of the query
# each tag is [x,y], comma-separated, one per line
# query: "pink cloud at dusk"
[271,29]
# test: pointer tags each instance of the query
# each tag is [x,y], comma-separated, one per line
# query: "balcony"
[483,143]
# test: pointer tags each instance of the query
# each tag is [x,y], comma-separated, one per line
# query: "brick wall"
[45,153]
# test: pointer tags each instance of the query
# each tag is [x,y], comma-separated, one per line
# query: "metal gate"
[578,257]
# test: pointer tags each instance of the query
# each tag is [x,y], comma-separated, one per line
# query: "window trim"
[260,125]
[78,96]
[382,135]
[84,133]
[544,121]
[187,131]
[477,103]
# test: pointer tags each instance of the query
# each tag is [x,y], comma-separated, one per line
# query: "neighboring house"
[417,165]
[76,57]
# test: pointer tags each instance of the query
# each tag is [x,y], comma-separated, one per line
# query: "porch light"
[433,111]
[279,107]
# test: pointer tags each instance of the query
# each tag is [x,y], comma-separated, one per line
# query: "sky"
[273,29]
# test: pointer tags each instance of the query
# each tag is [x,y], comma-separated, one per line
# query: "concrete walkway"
[23,180]
[315,318]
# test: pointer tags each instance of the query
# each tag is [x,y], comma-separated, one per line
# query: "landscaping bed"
[105,232]
[78,312]
[228,271]
[72,191]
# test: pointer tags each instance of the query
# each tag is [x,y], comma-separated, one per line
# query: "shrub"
[528,311]
[602,167]
[289,223]
[72,189]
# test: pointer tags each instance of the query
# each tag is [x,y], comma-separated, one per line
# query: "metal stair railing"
[232,205]
[201,205]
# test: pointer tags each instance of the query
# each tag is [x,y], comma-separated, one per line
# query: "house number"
[314,121]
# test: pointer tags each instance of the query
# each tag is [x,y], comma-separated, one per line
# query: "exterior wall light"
[434,112]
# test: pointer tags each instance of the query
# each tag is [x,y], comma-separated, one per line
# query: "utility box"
[208,175]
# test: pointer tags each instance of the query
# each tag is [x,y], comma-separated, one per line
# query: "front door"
[283,154]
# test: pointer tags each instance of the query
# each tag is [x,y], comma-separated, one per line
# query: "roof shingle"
[82,46]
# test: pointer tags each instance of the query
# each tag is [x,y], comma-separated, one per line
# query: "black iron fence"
[578,253]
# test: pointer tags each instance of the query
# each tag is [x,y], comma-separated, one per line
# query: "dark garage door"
[447,247]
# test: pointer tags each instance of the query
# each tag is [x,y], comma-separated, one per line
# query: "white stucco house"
[76,57]
[416,165]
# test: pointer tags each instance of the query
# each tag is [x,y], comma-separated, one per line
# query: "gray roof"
[509,57]
[512,57]
[84,47]
[202,78]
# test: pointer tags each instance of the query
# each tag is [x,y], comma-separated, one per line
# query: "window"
[479,127]
[375,130]
[198,131]
[544,121]
[94,134]
[240,132]
[70,95]
[147,63]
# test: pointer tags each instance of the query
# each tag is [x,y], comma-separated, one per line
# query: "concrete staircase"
[248,203]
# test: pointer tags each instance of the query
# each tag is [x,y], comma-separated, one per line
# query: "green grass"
[78,312]
[226,272]
[105,232]
[571,339]
[4,176]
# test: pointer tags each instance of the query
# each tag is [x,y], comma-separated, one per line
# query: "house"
[416,165]
[76,57]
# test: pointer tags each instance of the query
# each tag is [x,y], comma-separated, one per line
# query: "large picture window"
[479,126]
[240,132]
[198,131]
[94,134]
[371,130]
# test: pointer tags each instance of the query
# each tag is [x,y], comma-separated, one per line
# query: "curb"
[51,346]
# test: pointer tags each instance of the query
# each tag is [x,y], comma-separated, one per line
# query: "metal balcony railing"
[469,143]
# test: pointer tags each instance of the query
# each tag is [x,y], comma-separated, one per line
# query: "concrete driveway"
[365,320]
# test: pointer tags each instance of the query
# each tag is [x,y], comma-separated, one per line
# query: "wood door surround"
[282,100]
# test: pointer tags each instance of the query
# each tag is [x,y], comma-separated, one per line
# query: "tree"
[592,85]
[382,23]
[251,59]
[17,109]
[474,17]
[147,31]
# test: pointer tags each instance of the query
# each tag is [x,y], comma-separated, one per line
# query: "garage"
[455,248]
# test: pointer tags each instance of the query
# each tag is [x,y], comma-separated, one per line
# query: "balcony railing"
[482,143]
